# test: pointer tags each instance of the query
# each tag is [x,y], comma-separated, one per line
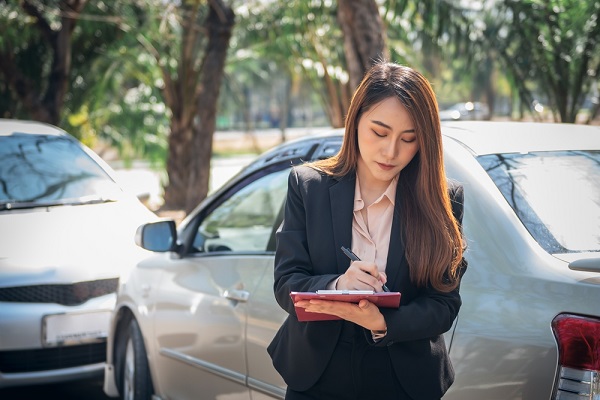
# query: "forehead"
[389,111]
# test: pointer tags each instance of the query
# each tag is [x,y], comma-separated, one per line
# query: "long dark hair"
[434,245]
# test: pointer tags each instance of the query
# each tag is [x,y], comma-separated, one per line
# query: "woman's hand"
[365,313]
[362,275]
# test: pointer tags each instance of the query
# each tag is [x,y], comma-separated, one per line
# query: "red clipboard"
[380,299]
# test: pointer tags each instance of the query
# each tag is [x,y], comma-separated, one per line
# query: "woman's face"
[386,141]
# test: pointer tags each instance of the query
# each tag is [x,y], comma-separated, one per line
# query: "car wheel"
[135,372]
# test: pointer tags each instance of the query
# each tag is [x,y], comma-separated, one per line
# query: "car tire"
[135,379]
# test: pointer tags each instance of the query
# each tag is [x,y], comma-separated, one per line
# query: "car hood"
[65,244]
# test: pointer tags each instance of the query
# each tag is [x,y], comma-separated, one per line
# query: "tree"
[364,36]
[550,48]
[44,50]
[189,42]
[303,38]
[440,38]
[123,109]
[42,103]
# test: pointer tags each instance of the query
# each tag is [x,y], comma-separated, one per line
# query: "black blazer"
[317,221]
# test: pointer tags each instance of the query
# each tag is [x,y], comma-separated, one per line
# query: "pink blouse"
[371,238]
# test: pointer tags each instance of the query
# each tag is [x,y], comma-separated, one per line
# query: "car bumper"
[32,350]
[51,376]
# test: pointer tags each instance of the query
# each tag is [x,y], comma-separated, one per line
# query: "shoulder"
[306,179]
[308,171]
[307,175]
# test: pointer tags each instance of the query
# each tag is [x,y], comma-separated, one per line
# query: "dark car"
[467,111]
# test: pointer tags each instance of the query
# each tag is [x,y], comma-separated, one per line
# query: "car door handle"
[237,295]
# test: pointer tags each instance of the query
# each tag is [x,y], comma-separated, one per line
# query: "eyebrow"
[389,127]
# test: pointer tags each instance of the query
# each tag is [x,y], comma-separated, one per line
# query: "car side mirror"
[158,236]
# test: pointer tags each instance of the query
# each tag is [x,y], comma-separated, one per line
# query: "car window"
[49,169]
[244,221]
[555,194]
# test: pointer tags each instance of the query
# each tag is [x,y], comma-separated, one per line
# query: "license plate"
[69,329]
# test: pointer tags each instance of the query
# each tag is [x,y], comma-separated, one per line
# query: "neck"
[370,189]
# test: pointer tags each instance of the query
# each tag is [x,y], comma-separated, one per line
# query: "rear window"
[555,194]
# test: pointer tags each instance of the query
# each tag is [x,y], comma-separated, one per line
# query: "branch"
[169,90]
[40,21]
[188,75]
[220,8]
[71,10]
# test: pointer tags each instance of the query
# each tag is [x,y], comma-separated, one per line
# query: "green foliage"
[118,100]
[300,39]
[122,50]
[28,49]
[556,44]
[125,108]
[546,50]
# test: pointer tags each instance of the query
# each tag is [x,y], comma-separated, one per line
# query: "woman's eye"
[409,140]
[378,134]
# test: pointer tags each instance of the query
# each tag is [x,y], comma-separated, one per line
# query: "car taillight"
[578,340]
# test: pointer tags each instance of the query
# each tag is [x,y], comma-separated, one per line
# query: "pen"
[354,257]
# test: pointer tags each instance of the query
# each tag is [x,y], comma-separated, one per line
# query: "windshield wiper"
[20,205]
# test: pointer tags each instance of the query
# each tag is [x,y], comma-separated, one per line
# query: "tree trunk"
[178,162]
[219,26]
[192,98]
[489,87]
[58,80]
[364,36]
[179,94]
[284,109]
[46,106]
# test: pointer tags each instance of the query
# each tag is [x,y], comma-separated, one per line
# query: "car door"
[264,319]
[202,302]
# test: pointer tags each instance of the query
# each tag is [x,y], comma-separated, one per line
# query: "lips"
[385,167]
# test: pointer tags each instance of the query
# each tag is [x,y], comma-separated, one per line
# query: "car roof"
[499,137]
[11,126]
[479,137]
[307,148]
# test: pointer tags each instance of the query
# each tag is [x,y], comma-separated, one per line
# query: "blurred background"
[166,90]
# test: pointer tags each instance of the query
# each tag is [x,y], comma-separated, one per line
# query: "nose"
[390,148]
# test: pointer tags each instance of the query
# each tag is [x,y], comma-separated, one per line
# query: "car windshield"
[37,170]
[555,194]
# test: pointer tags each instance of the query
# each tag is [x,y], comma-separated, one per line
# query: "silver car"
[66,235]
[194,320]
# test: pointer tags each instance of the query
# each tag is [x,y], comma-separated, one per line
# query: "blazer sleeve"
[294,270]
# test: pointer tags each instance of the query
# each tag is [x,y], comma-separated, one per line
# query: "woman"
[384,194]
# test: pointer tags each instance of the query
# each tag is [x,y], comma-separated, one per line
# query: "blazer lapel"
[341,195]
[395,259]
